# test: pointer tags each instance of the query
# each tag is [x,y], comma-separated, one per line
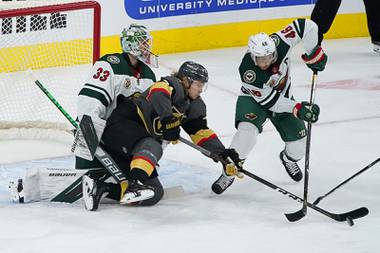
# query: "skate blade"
[130,197]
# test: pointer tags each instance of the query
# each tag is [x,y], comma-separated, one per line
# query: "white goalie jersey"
[110,77]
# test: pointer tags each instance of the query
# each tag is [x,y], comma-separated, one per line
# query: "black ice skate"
[291,167]
[136,192]
[222,183]
[376,46]
[93,192]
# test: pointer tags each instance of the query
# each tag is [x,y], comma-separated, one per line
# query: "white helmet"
[260,45]
[136,40]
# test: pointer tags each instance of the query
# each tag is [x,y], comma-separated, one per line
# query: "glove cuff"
[296,108]
[316,56]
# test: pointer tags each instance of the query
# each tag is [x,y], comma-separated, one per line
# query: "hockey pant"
[136,153]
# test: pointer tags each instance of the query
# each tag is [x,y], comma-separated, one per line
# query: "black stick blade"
[292,217]
[354,214]
[351,215]
[89,134]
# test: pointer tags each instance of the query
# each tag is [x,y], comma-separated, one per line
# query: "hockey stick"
[104,158]
[89,134]
[302,212]
[348,216]
[55,102]
[345,181]
[73,192]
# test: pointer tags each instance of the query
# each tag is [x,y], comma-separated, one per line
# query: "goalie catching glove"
[233,163]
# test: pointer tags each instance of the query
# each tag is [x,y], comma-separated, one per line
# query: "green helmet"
[136,40]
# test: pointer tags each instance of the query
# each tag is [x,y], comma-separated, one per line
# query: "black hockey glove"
[234,163]
[306,112]
[171,128]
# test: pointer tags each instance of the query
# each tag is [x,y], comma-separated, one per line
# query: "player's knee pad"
[146,155]
[295,149]
[244,139]
[158,192]
[148,147]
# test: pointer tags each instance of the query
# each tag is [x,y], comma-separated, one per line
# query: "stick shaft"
[308,145]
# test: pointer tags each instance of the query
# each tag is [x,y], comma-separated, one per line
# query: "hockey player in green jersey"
[266,94]
[113,77]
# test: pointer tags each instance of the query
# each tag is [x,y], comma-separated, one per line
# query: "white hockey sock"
[295,149]
[244,139]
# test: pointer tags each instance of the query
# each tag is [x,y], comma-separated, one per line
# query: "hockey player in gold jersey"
[137,128]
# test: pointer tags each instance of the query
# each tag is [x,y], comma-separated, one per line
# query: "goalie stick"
[104,158]
[89,134]
[348,216]
[73,192]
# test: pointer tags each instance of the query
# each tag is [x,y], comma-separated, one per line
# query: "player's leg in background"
[372,9]
[293,132]
[323,15]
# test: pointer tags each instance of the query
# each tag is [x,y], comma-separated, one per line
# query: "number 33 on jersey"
[112,76]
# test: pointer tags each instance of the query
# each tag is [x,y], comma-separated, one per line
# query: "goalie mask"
[137,41]
[262,49]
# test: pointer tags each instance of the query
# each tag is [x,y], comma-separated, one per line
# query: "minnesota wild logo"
[249,76]
[113,59]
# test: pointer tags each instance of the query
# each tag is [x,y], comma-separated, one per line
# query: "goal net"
[54,42]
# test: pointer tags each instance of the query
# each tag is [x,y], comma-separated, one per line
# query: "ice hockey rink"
[249,216]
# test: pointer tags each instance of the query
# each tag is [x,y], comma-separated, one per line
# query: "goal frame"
[61,8]
[55,131]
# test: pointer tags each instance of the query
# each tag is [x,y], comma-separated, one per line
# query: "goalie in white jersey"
[117,75]
[112,76]
[266,94]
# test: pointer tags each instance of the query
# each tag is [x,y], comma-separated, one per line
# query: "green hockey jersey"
[255,81]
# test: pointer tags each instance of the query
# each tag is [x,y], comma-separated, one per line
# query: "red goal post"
[55,42]
[54,8]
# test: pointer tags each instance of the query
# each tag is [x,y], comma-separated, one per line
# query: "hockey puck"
[350,222]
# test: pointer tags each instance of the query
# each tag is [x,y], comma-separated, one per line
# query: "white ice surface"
[249,216]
